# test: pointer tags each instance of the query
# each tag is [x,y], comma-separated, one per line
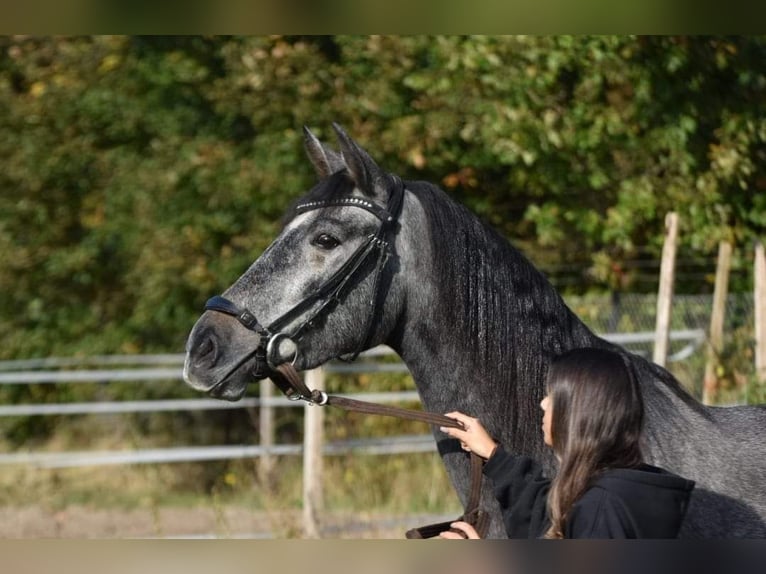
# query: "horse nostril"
[206,347]
[207,351]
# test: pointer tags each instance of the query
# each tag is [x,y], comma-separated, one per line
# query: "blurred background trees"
[142,174]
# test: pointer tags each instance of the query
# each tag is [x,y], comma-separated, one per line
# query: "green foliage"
[142,174]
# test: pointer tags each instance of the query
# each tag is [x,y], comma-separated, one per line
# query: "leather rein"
[285,376]
[288,380]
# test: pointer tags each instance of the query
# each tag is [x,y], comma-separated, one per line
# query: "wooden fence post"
[266,428]
[717,315]
[665,293]
[759,301]
[313,441]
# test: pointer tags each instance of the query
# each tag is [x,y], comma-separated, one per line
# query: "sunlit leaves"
[141,174]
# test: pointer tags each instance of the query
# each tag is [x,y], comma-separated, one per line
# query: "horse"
[365,258]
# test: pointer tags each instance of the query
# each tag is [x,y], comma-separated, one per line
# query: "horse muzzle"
[221,354]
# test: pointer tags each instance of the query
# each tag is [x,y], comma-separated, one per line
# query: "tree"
[142,174]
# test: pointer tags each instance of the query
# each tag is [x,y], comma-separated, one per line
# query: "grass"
[355,484]
[396,484]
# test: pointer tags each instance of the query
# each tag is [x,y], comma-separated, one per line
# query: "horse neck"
[480,326]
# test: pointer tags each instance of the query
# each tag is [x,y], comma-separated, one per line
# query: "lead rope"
[290,383]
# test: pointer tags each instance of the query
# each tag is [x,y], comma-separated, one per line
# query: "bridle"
[320,303]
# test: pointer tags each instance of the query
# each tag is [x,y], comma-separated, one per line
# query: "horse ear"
[361,167]
[325,161]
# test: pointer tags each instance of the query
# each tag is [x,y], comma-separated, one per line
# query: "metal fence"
[636,312]
[133,368]
[147,368]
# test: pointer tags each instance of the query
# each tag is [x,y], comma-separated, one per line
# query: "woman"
[592,418]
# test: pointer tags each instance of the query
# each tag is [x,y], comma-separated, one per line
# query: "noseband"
[321,302]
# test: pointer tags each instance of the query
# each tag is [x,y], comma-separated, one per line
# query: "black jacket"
[645,502]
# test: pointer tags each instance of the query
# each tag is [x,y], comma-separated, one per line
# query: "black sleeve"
[522,491]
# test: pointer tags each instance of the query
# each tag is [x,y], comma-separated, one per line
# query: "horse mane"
[504,312]
[500,309]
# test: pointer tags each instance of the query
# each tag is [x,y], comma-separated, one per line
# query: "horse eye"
[325,241]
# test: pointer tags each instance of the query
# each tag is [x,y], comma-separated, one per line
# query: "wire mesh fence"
[633,312]
[628,319]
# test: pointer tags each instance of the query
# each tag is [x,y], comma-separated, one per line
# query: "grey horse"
[474,321]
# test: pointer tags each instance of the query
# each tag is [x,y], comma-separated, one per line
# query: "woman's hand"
[474,438]
[469,531]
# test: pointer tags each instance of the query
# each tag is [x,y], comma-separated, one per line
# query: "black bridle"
[322,301]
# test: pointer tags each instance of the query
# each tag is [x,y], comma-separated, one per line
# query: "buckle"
[272,350]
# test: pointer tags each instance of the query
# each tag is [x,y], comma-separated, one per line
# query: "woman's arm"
[519,484]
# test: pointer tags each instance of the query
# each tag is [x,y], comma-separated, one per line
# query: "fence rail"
[25,372]
[403,444]
[104,369]
[39,371]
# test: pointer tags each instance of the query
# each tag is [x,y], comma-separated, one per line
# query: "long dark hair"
[596,424]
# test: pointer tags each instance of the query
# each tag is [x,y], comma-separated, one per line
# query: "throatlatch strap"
[286,377]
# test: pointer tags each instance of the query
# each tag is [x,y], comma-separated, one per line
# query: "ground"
[225,522]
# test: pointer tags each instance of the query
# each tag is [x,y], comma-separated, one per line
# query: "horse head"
[319,289]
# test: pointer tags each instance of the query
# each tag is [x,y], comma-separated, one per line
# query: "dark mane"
[498,288]
[505,312]
[502,311]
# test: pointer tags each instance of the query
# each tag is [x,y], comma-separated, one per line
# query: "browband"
[378,211]
[386,215]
